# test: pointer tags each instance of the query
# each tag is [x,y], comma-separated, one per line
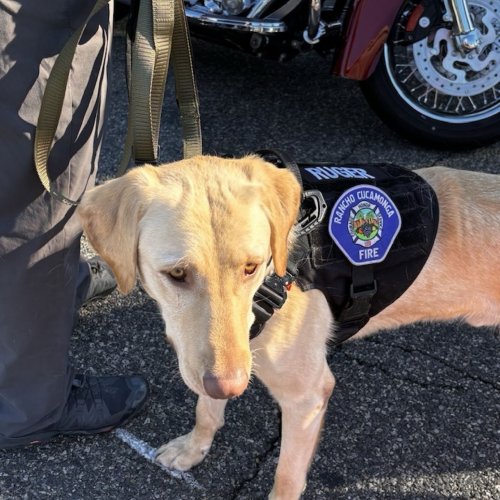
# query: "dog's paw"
[182,453]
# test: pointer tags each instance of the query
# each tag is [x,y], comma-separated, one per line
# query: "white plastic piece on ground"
[148,452]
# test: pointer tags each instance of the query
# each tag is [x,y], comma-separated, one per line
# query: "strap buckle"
[365,292]
[359,304]
[271,295]
[272,291]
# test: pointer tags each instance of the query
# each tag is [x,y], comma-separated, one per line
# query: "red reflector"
[414,17]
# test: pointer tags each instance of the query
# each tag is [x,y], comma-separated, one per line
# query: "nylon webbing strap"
[185,84]
[161,26]
[52,102]
[149,65]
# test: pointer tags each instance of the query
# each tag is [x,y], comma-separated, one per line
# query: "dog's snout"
[227,386]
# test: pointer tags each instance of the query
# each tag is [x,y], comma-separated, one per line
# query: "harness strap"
[356,312]
[281,160]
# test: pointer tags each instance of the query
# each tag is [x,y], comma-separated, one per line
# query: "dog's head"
[199,233]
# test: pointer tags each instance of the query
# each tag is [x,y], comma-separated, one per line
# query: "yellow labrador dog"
[200,234]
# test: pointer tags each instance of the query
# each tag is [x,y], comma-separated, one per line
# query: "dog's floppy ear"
[110,215]
[282,204]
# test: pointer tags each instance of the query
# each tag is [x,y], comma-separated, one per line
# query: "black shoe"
[95,404]
[102,280]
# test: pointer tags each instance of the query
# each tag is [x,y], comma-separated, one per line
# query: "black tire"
[408,116]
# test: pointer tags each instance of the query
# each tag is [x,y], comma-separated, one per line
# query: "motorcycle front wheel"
[436,95]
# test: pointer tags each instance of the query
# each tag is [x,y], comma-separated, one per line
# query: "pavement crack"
[273,444]
[390,374]
[410,350]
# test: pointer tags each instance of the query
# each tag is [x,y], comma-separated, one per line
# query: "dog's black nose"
[227,386]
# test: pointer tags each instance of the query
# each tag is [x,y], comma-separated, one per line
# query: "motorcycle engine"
[229,7]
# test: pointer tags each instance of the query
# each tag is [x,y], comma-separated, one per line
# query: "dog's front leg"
[290,359]
[189,450]
[301,424]
[303,405]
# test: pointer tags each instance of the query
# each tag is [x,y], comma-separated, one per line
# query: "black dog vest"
[366,237]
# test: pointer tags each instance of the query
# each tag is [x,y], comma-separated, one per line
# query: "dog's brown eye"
[178,274]
[250,269]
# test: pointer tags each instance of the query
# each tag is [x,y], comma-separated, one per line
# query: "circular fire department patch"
[364,223]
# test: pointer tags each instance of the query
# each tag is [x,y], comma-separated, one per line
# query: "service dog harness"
[364,234]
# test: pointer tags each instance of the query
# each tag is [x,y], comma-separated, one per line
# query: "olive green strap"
[161,25]
[185,84]
[52,102]
[161,30]
[148,73]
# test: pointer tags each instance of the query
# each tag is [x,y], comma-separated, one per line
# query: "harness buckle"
[271,295]
[365,292]
[313,216]
[272,291]
[359,305]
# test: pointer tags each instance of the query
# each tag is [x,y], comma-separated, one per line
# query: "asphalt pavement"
[415,414]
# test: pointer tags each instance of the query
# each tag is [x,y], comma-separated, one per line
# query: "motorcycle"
[429,68]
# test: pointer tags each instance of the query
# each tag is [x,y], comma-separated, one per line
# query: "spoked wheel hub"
[440,81]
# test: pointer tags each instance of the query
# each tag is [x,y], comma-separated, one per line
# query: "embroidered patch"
[364,223]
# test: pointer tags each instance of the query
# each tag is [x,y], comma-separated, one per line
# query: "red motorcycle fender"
[369,25]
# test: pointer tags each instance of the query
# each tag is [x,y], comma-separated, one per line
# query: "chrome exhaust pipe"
[203,17]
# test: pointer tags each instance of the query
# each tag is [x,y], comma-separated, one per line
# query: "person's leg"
[39,236]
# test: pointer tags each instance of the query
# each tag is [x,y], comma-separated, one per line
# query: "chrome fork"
[466,35]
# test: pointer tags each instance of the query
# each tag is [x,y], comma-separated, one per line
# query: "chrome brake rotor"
[444,67]
[436,77]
